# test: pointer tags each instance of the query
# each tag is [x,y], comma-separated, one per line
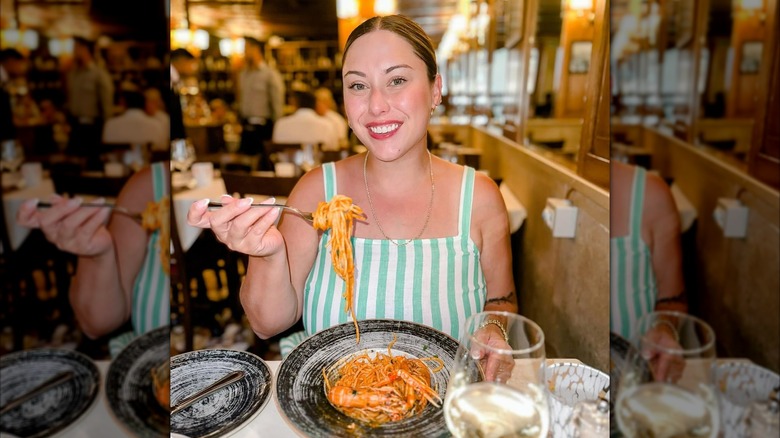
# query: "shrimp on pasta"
[376,388]
[339,215]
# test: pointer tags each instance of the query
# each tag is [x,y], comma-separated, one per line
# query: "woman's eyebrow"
[387,70]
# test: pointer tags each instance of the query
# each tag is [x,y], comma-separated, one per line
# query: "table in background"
[182,202]
[11,203]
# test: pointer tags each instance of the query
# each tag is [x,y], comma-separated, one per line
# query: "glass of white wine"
[496,385]
[667,384]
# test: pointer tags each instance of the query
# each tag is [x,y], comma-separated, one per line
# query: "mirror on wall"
[560,68]
[697,69]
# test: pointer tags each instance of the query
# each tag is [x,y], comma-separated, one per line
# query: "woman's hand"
[242,228]
[656,347]
[495,366]
[72,228]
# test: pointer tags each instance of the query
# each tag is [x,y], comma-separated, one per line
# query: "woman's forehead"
[380,49]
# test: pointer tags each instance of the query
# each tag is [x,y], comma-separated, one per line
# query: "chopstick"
[43,387]
[86,204]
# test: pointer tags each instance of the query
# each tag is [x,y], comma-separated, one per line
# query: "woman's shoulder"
[138,190]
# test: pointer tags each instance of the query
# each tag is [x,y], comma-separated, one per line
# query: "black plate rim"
[113,370]
[83,358]
[267,393]
[314,337]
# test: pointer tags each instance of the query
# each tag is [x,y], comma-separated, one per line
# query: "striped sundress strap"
[329,171]
[637,201]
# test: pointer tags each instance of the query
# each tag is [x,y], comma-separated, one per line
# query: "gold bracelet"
[498,324]
[668,324]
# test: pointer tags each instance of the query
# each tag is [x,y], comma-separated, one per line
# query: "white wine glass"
[496,385]
[667,384]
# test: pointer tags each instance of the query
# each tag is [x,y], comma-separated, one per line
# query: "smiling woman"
[435,268]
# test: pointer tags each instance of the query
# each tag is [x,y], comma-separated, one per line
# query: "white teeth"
[384,129]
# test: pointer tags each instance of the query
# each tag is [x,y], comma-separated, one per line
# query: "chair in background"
[234,162]
[180,293]
[258,183]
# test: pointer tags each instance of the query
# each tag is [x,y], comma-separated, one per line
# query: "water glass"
[496,385]
[667,385]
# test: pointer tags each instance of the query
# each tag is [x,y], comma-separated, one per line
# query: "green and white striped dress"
[633,289]
[436,282]
[151,291]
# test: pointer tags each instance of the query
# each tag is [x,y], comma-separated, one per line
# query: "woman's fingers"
[221,220]
[198,214]
[28,216]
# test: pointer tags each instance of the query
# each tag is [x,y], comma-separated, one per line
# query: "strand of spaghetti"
[339,215]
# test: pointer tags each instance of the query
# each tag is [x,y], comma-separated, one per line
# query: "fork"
[306,215]
[116,209]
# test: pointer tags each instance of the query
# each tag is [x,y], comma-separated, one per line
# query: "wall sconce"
[61,46]
[23,39]
[731,216]
[184,38]
[561,217]
[346,9]
[231,46]
[384,7]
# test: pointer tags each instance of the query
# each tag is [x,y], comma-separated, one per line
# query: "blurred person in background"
[134,126]
[305,125]
[183,63]
[90,100]
[261,92]
[11,66]
[155,108]
[326,107]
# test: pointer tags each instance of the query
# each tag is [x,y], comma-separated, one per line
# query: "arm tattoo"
[508,298]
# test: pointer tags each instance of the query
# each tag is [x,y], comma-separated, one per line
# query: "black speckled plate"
[129,384]
[300,392]
[228,409]
[55,409]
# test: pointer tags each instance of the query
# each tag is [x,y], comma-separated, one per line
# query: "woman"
[122,267]
[434,245]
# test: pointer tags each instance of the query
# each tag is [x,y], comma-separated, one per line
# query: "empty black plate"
[56,408]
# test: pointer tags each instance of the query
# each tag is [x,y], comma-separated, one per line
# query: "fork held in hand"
[304,214]
[115,209]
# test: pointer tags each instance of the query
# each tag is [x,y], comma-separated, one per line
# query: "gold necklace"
[376,218]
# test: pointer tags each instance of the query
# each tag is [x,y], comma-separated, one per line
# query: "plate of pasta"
[391,383]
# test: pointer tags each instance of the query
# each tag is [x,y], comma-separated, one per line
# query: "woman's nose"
[377,102]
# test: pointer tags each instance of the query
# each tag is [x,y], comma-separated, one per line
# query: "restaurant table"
[14,199]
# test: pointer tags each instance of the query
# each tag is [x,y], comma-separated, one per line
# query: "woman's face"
[387,95]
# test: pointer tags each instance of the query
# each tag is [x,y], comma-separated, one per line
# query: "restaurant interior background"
[534,95]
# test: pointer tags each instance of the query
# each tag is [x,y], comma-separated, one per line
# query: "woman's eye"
[357,87]
[397,81]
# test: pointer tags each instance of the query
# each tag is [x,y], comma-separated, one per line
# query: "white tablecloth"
[182,202]
[11,203]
